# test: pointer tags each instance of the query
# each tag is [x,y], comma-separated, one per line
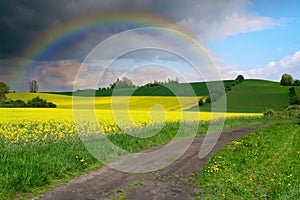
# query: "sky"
[56,42]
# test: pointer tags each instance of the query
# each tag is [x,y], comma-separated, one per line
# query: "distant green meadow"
[253,96]
[256,96]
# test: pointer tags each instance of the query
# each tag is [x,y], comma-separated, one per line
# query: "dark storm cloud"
[23,21]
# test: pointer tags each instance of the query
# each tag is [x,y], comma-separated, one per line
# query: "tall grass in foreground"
[28,168]
[262,165]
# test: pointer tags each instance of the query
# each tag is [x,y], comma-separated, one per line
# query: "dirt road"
[168,183]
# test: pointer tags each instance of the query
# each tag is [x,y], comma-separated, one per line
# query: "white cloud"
[208,20]
[291,61]
[226,18]
[271,64]
[271,71]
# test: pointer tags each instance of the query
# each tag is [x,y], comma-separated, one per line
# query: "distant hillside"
[181,89]
[255,96]
[249,96]
[105,103]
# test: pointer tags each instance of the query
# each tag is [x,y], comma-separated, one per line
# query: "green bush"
[286,80]
[208,99]
[34,103]
[14,104]
[291,111]
[228,88]
[270,113]
[37,102]
[294,100]
[292,91]
[214,95]
[200,103]
[296,82]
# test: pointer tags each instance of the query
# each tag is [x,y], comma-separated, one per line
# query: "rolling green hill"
[255,96]
[106,103]
[249,96]
[182,89]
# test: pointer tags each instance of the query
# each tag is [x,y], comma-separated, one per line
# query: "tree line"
[217,93]
[287,80]
[36,102]
[125,82]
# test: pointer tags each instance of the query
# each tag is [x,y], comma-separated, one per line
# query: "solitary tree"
[4,90]
[240,78]
[286,80]
[33,86]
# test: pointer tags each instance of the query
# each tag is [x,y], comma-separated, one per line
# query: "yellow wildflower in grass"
[236,143]
[214,168]
[250,177]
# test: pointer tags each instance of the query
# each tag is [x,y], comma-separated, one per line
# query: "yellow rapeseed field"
[36,124]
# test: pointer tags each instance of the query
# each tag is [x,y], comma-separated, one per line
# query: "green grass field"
[262,165]
[256,96]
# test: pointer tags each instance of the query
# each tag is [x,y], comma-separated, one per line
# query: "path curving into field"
[168,183]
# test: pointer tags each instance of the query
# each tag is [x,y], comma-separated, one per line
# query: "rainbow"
[63,34]
[78,26]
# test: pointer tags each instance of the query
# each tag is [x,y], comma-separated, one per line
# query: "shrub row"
[36,102]
[294,100]
[216,93]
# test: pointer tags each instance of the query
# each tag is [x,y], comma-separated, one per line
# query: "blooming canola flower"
[40,124]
